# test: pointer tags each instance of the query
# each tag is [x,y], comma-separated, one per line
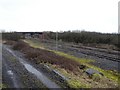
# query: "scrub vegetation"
[14,36]
[45,56]
[102,40]
[110,74]
[68,63]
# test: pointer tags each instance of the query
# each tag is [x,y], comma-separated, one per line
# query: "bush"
[20,45]
[32,53]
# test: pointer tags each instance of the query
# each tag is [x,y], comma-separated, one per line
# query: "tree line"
[15,36]
[88,37]
[83,37]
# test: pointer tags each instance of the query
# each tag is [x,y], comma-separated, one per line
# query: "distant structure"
[36,35]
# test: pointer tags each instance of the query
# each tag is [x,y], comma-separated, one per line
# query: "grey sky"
[61,15]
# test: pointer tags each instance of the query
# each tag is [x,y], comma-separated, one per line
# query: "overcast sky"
[59,15]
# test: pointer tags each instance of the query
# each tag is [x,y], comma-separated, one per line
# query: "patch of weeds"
[20,45]
[38,45]
[80,60]
[106,73]
[3,86]
[73,81]
[13,59]
[109,74]
[96,77]
[46,56]
[77,84]
[9,42]
[0,86]
[34,43]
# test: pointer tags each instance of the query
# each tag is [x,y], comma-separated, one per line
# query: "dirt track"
[18,73]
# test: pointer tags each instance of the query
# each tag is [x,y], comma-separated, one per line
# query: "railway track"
[114,56]
[96,52]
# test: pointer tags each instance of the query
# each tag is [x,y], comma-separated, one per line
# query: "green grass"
[96,77]
[109,74]
[77,84]
[0,86]
[13,59]
[80,60]
[37,44]
[34,43]
[3,86]
[73,80]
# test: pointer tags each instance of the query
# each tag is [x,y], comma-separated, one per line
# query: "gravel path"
[21,74]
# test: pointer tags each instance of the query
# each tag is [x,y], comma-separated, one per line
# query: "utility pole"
[56,40]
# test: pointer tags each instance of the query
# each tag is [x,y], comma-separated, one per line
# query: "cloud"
[40,15]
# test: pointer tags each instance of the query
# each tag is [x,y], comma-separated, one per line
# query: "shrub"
[32,53]
[20,45]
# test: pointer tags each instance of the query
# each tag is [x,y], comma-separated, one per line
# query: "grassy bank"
[76,79]
[36,44]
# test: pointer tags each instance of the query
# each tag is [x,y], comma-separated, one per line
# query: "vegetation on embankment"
[109,74]
[14,36]
[102,40]
[92,39]
[3,86]
[64,62]
[45,56]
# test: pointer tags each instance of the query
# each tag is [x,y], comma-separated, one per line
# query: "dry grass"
[9,42]
[70,66]
[44,56]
